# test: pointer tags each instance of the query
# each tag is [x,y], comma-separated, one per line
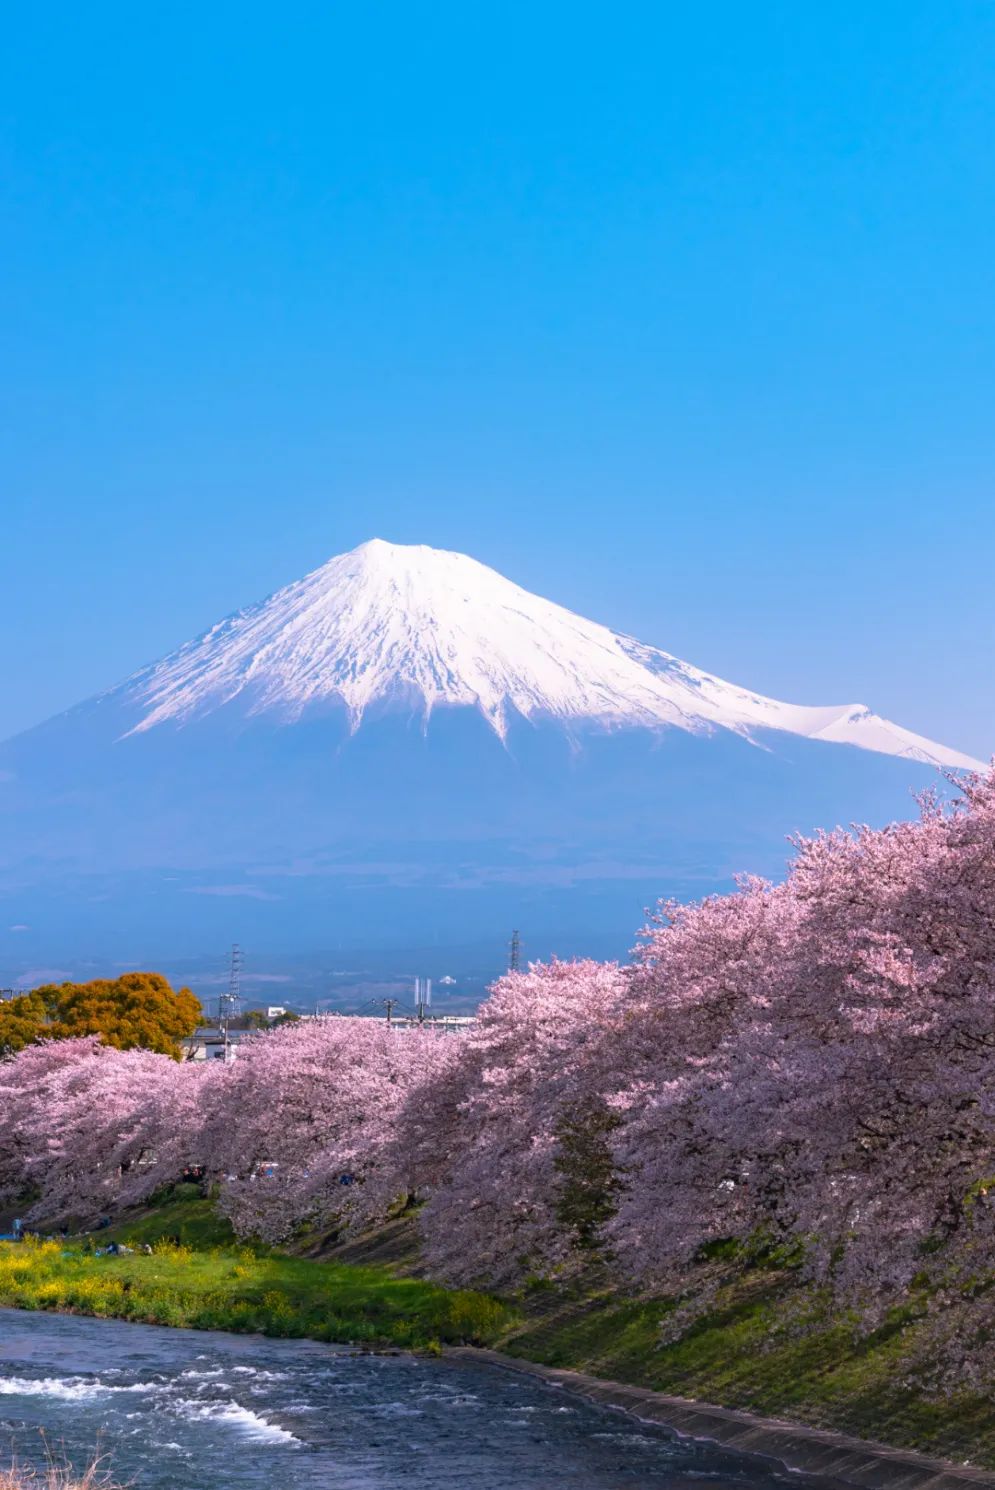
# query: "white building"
[211,1045]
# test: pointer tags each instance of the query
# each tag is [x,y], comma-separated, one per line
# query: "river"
[177,1410]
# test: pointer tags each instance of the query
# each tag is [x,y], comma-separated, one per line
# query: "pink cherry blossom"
[810,1063]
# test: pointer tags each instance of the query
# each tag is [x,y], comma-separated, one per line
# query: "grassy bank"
[769,1345]
[249,1291]
[749,1352]
[746,1352]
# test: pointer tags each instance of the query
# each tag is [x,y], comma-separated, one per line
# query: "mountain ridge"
[358,760]
[390,624]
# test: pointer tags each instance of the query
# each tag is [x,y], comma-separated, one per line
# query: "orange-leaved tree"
[137,1009]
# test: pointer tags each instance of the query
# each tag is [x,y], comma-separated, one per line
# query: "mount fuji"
[406,745]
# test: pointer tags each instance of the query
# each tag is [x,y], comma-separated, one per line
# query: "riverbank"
[814,1451]
[249,1291]
[769,1345]
[747,1354]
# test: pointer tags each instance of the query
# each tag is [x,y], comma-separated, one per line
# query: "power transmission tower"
[514,953]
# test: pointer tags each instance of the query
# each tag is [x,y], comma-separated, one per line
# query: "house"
[212,1044]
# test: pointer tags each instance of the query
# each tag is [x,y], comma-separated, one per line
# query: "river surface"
[178,1410]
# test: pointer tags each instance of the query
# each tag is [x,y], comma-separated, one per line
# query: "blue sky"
[682,315]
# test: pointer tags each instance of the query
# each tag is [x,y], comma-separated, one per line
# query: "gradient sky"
[682,315]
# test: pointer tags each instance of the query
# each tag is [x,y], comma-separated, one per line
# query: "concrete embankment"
[816,1451]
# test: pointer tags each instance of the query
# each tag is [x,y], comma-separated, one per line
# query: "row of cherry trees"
[810,1063]
[288,1134]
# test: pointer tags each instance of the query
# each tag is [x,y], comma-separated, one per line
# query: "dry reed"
[56,1476]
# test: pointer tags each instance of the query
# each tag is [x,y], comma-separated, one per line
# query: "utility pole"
[229,1004]
[514,952]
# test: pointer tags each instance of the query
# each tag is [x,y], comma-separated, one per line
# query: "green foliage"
[258,1019]
[243,1289]
[760,1250]
[135,1010]
[181,1214]
[589,1178]
[769,1344]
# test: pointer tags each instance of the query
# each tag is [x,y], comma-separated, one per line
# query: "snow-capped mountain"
[423,628]
[406,748]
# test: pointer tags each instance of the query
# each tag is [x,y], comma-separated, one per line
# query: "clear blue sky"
[682,315]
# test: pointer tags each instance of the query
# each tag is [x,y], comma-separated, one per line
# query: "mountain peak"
[424,628]
[382,550]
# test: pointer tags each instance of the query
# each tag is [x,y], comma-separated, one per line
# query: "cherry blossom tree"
[493,1140]
[833,1080]
[89,1128]
[810,1064]
[295,1128]
[27,1099]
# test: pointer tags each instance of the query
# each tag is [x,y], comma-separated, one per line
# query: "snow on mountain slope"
[428,628]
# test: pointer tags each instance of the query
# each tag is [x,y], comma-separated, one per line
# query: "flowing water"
[175,1410]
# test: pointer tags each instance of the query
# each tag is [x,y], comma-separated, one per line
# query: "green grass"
[247,1290]
[183,1215]
[747,1352]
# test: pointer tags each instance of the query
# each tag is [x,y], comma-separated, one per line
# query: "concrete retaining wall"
[817,1451]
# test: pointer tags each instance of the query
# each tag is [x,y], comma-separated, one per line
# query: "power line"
[390,1005]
